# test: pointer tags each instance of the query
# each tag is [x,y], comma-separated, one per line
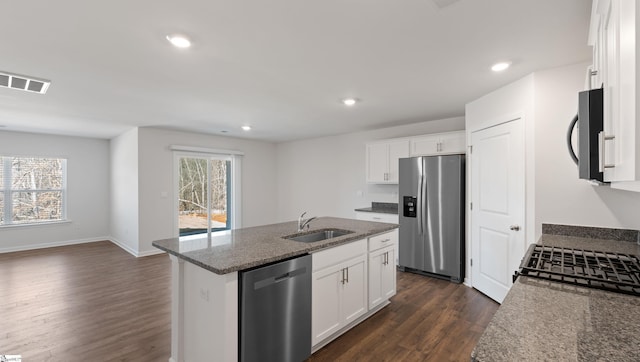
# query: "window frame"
[7,191]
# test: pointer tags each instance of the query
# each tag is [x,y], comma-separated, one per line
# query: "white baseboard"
[124,246]
[150,252]
[133,252]
[52,244]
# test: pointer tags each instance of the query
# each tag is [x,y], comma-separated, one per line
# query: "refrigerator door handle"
[419,198]
[423,199]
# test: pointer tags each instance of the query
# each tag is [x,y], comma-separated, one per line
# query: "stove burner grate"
[610,271]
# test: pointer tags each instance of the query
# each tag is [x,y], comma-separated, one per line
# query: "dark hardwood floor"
[89,302]
[95,302]
[428,320]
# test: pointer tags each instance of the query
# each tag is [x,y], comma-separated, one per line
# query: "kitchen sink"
[318,235]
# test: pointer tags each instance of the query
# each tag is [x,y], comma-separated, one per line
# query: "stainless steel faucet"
[302,222]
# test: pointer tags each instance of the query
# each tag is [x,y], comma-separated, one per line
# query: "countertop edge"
[523,286]
[377,211]
[311,248]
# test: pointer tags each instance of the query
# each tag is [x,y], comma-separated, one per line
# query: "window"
[32,190]
[207,191]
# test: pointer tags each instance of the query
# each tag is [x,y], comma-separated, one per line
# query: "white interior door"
[498,201]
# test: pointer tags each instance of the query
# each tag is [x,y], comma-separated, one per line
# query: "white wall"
[561,198]
[124,191]
[323,175]
[512,101]
[549,100]
[87,195]
[155,166]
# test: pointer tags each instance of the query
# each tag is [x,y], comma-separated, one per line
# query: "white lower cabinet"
[382,267]
[382,275]
[348,283]
[339,288]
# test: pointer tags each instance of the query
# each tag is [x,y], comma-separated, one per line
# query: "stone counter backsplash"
[592,232]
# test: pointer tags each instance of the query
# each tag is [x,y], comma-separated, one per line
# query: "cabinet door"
[382,276]
[617,21]
[397,150]
[610,79]
[388,274]
[424,146]
[452,143]
[354,290]
[377,162]
[376,259]
[326,316]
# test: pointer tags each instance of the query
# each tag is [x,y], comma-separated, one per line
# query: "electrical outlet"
[204,294]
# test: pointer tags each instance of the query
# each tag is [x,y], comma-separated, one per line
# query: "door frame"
[235,197]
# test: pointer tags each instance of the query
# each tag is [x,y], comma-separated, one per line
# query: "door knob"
[514,227]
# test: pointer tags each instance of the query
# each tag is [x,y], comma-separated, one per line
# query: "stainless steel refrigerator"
[431,192]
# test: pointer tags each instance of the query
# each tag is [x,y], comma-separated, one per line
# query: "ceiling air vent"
[23,82]
[444,3]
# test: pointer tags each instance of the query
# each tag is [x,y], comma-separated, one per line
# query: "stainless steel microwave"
[590,133]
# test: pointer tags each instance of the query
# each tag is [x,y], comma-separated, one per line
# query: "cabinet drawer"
[382,240]
[376,216]
[338,254]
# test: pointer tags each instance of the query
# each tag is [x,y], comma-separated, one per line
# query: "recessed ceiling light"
[499,67]
[179,41]
[246,128]
[350,101]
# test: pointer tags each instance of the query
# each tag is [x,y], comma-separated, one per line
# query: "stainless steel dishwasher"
[275,312]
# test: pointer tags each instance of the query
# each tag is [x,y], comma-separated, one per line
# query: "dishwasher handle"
[273,280]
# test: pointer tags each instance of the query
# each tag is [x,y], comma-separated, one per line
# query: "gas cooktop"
[609,271]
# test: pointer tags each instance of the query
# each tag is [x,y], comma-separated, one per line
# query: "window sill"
[10,226]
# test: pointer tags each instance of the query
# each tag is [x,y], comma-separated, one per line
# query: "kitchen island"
[205,279]
[542,320]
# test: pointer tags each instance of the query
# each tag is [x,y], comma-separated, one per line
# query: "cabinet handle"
[376,218]
[384,259]
[439,147]
[601,146]
[347,270]
[342,281]
[385,240]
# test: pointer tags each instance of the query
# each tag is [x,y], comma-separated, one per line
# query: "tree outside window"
[32,190]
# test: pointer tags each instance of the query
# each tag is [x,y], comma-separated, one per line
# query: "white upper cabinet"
[383,155]
[382,160]
[439,144]
[615,68]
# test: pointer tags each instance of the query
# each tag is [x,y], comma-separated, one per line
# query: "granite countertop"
[245,248]
[381,207]
[542,320]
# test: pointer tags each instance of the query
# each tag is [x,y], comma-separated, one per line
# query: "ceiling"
[281,66]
